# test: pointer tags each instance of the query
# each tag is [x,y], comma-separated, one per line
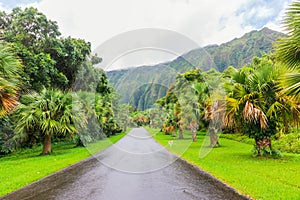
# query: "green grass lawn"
[26,166]
[233,163]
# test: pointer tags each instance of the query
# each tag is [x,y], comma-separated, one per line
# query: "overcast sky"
[202,21]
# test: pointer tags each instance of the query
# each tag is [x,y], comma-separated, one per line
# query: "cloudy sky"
[202,21]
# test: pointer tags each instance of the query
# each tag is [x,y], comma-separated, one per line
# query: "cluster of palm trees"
[184,103]
[255,102]
[261,99]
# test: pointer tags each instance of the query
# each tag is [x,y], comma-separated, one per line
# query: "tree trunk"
[265,142]
[214,140]
[47,145]
[180,133]
[174,133]
[193,126]
[194,135]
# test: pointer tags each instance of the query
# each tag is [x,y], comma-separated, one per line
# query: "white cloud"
[2,8]
[204,21]
[98,21]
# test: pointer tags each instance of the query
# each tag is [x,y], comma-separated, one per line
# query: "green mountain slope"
[142,86]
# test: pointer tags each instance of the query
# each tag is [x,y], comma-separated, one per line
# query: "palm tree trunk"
[173,133]
[47,145]
[213,137]
[193,127]
[194,136]
[264,142]
[180,133]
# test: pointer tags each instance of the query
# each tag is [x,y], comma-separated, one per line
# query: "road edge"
[205,173]
[91,158]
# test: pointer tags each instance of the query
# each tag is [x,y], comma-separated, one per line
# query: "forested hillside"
[142,86]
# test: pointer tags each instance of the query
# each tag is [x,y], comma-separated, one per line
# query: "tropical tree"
[93,131]
[157,117]
[192,93]
[185,103]
[47,113]
[141,118]
[50,61]
[255,106]
[10,79]
[172,109]
[30,33]
[123,116]
[288,51]
[105,114]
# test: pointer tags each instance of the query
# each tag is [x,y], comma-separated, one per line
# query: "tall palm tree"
[50,112]
[10,69]
[288,51]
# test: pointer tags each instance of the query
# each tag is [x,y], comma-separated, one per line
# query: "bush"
[82,140]
[288,143]
[267,152]
[6,135]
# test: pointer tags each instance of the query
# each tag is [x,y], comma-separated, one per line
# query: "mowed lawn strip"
[26,166]
[233,163]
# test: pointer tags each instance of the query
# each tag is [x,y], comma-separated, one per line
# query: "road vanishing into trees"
[134,168]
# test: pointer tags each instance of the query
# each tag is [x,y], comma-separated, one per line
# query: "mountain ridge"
[139,86]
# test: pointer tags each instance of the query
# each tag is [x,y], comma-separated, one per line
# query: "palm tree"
[288,51]
[93,130]
[288,48]
[50,112]
[191,91]
[10,69]
[170,105]
[123,116]
[255,103]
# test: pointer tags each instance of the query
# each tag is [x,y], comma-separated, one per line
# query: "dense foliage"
[10,79]
[287,51]
[260,99]
[248,100]
[50,89]
[41,115]
[185,103]
[49,86]
[254,105]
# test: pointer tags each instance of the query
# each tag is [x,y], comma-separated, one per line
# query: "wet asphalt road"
[135,168]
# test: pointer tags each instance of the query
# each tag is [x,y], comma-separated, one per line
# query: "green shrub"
[288,143]
[266,152]
[6,135]
[82,140]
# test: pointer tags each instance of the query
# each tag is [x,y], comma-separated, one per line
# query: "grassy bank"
[260,178]
[26,166]
[288,143]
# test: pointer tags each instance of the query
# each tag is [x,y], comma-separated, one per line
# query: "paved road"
[134,168]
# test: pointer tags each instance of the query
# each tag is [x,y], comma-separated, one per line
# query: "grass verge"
[288,143]
[260,178]
[26,166]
